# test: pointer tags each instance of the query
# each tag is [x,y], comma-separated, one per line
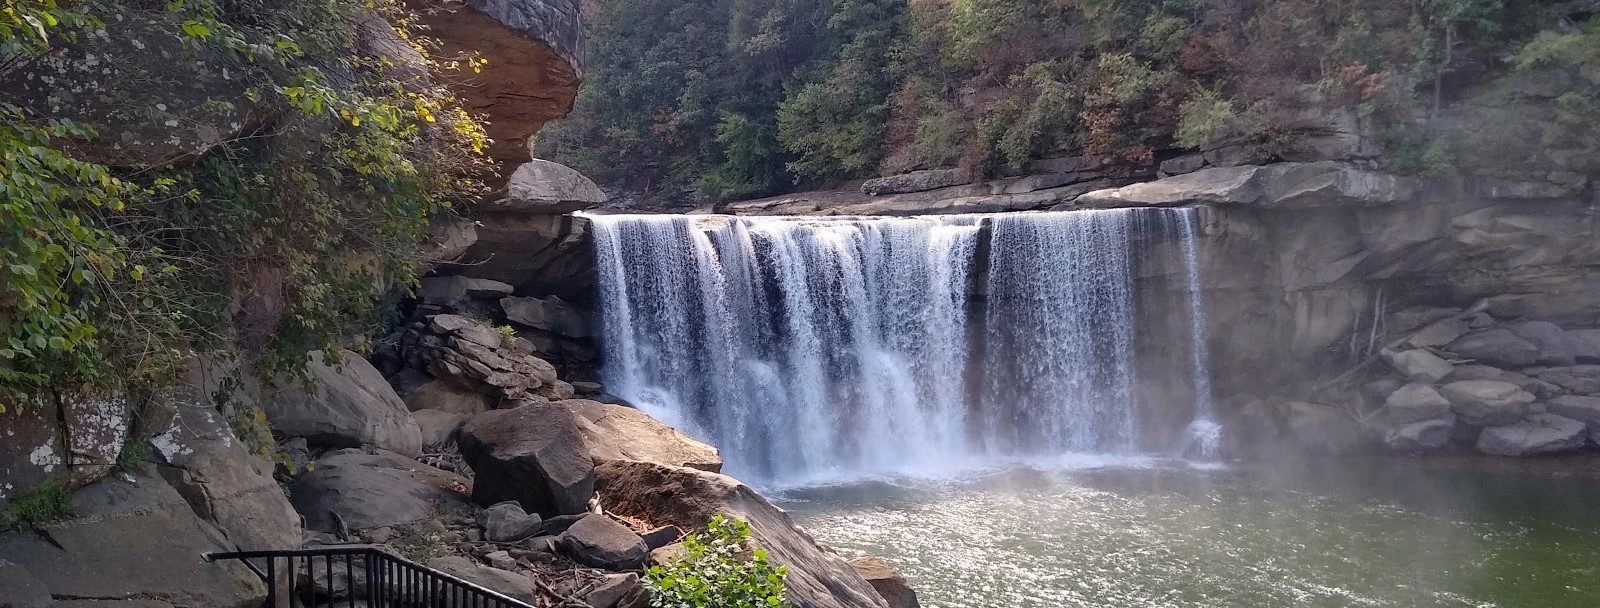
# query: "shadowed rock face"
[535,53]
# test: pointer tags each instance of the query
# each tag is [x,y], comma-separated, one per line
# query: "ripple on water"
[1157,535]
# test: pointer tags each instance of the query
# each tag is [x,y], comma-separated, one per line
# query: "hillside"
[729,99]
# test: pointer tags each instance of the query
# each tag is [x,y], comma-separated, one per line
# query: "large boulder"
[151,96]
[539,253]
[541,186]
[353,490]
[508,523]
[223,481]
[1538,434]
[889,583]
[1539,388]
[1555,347]
[342,406]
[134,538]
[1324,430]
[600,542]
[1488,402]
[1414,403]
[533,454]
[615,432]
[1498,346]
[96,426]
[689,498]
[1421,437]
[1418,365]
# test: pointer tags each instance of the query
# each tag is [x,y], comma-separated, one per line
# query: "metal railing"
[372,577]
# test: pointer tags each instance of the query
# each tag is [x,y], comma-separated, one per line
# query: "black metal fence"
[363,576]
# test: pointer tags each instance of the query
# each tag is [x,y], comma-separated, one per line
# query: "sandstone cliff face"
[535,54]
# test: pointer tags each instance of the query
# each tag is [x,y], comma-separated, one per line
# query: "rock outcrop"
[535,59]
[688,498]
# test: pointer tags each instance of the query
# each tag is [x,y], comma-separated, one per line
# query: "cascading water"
[810,348]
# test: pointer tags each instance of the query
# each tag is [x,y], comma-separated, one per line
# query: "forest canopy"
[727,99]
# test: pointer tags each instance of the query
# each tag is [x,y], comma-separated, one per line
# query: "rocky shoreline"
[504,480]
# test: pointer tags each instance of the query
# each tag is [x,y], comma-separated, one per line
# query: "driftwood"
[1480,306]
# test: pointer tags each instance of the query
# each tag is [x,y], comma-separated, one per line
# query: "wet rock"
[1538,434]
[1324,430]
[438,428]
[1418,365]
[688,498]
[1421,437]
[556,391]
[365,491]
[533,455]
[889,583]
[1498,346]
[1555,348]
[588,388]
[1414,403]
[601,542]
[133,538]
[1488,402]
[614,432]
[508,523]
[343,406]
[541,186]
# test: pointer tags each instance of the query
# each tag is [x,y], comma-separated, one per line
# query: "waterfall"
[1204,433]
[808,348]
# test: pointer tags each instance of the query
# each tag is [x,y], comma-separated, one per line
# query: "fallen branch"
[1479,307]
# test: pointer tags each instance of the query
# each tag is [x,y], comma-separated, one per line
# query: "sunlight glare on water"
[1178,536]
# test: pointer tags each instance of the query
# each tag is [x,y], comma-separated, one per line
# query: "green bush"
[48,502]
[720,571]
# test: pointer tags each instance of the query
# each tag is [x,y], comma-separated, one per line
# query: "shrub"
[48,502]
[720,571]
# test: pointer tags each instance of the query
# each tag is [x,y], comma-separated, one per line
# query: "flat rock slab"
[134,540]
